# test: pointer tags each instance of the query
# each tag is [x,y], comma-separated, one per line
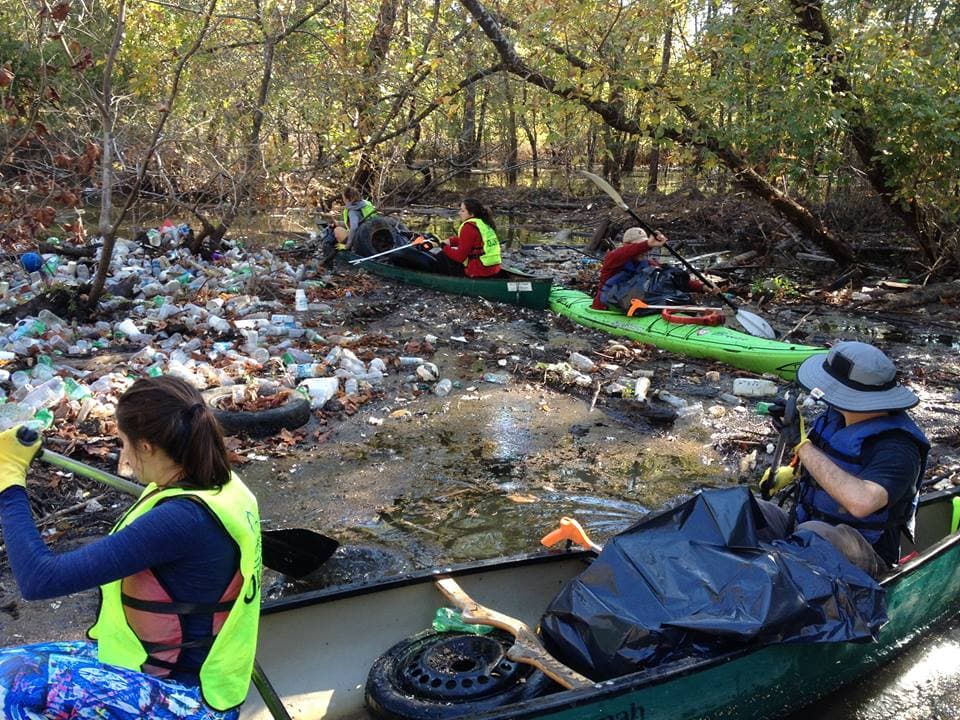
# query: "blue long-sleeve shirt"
[192,556]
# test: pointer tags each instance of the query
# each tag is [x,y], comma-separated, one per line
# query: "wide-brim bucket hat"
[856,377]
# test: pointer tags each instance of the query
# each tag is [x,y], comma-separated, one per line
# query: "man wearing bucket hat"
[864,458]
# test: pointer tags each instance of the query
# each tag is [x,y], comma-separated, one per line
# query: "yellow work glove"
[784,475]
[15,458]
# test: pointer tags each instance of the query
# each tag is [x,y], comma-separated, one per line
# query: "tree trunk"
[695,134]
[653,164]
[466,143]
[513,153]
[863,134]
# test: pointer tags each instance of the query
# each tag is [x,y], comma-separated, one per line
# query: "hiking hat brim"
[814,375]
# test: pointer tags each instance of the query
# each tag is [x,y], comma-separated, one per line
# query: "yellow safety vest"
[491,244]
[366,210]
[225,674]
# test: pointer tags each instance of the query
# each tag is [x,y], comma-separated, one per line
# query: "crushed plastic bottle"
[581,362]
[44,396]
[442,388]
[450,620]
[320,390]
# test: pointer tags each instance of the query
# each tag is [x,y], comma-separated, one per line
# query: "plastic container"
[306,370]
[671,399]
[320,390]
[581,362]
[406,361]
[44,396]
[449,620]
[128,328]
[442,388]
[300,302]
[753,387]
[351,386]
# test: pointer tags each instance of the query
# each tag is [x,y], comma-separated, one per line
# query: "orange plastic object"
[570,529]
[693,317]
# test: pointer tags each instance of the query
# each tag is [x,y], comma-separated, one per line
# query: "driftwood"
[924,296]
[82,251]
[737,261]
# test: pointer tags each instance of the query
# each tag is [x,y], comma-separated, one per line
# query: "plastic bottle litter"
[300,302]
[351,386]
[689,415]
[442,388]
[753,387]
[496,378]
[581,362]
[44,396]
[74,390]
[671,399]
[449,620]
[406,361]
[128,328]
[320,390]
[306,370]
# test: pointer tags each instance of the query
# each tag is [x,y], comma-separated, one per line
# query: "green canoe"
[511,286]
[718,343]
[318,648]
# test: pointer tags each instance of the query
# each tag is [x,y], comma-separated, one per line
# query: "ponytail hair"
[479,210]
[168,412]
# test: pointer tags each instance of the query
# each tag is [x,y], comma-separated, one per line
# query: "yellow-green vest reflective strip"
[366,210]
[491,244]
[225,674]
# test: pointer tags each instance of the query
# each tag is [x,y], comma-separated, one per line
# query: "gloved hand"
[793,430]
[15,457]
[785,475]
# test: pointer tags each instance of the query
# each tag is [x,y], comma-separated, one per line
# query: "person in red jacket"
[624,264]
[475,250]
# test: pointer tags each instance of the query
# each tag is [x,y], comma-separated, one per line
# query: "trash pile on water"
[243,318]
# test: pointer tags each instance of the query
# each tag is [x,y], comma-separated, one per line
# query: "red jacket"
[469,244]
[614,261]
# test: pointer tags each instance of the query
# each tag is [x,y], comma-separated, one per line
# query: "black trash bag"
[694,582]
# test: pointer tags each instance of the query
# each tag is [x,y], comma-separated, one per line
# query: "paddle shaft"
[527,649]
[292,551]
[416,241]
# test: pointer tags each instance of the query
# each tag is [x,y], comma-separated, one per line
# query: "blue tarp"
[695,581]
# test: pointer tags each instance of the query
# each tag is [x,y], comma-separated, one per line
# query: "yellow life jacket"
[491,244]
[131,614]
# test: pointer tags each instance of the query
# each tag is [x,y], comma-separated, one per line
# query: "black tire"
[437,676]
[374,236]
[294,413]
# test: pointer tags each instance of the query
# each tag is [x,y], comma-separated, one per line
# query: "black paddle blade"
[296,551]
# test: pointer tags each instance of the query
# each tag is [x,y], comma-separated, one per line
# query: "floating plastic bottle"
[753,387]
[450,620]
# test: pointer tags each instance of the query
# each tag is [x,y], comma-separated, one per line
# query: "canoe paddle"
[293,551]
[527,649]
[418,240]
[752,323]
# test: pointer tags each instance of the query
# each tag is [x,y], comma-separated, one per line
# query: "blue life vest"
[843,445]
[654,284]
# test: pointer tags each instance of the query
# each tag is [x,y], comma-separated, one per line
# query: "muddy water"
[483,474]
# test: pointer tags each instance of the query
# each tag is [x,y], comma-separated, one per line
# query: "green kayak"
[719,343]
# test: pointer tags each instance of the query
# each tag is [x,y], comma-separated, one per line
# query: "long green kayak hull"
[512,286]
[717,343]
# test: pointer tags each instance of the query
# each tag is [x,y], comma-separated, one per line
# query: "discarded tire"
[375,235]
[448,675]
[293,413]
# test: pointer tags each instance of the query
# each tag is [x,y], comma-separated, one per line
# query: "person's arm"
[166,533]
[356,218]
[468,239]
[857,496]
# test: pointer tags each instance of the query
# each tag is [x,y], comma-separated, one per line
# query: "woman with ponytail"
[475,250]
[179,576]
